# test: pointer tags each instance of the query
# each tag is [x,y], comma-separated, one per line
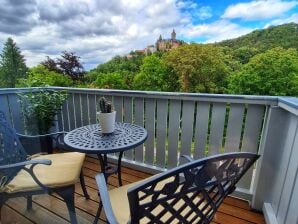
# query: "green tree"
[243,54]
[127,67]
[12,64]
[110,81]
[200,67]
[285,36]
[155,75]
[69,64]
[41,76]
[274,72]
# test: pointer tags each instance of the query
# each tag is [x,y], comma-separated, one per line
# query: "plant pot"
[107,122]
[37,144]
[46,144]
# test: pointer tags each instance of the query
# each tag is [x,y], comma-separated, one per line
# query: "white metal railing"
[198,125]
[177,123]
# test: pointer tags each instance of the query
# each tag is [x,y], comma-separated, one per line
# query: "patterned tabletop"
[89,139]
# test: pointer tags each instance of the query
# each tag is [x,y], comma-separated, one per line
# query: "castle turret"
[160,38]
[173,35]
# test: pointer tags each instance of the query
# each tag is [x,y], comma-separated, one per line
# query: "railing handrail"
[289,104]
[226,98]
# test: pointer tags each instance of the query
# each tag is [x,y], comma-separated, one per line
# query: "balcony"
[193,124]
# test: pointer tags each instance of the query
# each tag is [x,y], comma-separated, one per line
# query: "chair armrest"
[105,198]
[187,157]
[28,162]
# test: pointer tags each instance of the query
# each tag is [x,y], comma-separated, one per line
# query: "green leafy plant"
[40,108]
[105,106]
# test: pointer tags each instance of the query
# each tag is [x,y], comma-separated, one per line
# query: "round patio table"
[89,139]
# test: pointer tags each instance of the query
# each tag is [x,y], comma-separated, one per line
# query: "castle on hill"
[160,45]
[167,44]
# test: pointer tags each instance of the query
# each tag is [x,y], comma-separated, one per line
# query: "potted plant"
[39,110]
[106,116]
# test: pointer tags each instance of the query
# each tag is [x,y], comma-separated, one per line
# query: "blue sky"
[97,30]
[232,18]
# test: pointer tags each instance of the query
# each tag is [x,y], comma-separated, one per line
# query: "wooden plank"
[118,106]
[174,127]
[92,108]
[4,107]
[124,169]
[161,131]
[91,172]
[217,126]
[240,213]
[65,116]
[59,208]
[222,218]
[284,175]
[288,171]
[77,110]
[16,112]
[187,127]
[60,121]
[127,112]
[237,203]
[85,109]
[71,112]
[93,192]
[253,126]
[37,212]
[139,120]
[113,180]
[234,127]
[150,127]
[292,215]
[201,129]
[8,215]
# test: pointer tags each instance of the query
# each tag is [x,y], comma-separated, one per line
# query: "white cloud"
[205,12]
[186,4]
[262,9]
[217,31]
[95,30]
[291,19]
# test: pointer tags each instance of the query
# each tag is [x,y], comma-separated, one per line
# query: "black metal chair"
[20,176]
[190,193]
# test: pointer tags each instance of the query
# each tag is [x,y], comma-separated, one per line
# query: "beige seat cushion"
[64,170]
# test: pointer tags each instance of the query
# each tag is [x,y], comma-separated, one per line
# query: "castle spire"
[173,35]
[160,38]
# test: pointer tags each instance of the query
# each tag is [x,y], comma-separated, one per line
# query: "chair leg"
[29,202]
[82,181]
[98,213]
[68,195]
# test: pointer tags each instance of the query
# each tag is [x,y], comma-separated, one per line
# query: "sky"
[97,30]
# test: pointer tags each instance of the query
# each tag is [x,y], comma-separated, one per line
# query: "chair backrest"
[190,193]
[11,150]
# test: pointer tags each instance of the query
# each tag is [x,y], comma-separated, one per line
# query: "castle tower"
[173,35]
[160,38]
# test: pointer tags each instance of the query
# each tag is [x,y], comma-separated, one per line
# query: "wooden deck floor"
[52,209]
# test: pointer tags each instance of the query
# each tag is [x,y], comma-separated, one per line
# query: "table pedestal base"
[108,169]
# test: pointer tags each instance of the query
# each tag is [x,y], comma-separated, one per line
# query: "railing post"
[273,137]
